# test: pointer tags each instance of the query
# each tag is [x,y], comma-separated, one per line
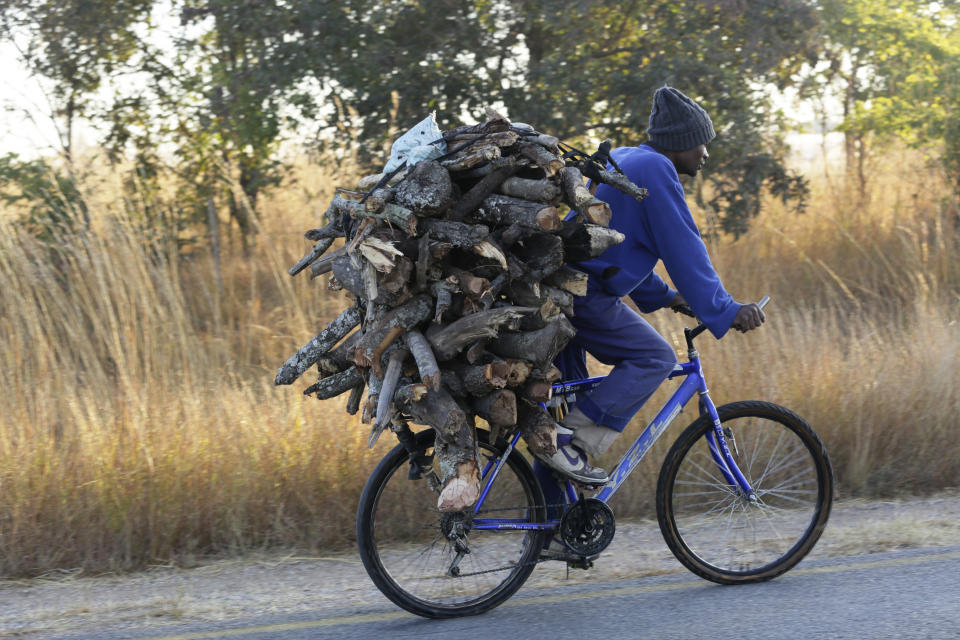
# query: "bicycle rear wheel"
[407,550]
[724,536]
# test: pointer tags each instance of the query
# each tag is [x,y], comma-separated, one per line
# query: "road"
[906,594]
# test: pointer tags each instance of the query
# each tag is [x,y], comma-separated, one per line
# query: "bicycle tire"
[692,524]
[412,571]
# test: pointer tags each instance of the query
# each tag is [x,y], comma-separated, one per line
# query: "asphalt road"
[909,594]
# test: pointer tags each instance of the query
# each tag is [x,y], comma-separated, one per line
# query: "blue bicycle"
[743,495]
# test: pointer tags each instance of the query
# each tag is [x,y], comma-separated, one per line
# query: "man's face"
[690,161]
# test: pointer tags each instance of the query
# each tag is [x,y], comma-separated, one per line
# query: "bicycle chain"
[512,566]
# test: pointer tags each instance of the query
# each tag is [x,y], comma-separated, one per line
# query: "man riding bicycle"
[658,228]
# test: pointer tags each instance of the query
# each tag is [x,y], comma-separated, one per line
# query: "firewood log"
[623,183]
[385,401]
[575,193]
[309,353]
[541,157]
[585,241]
[318,250]
[436,409]
[475,154]
[325,264]
[493,125]
[538,428]
[331,230]
[500,138]
[596,211]
[545,190]
[568,279]
[448,341]
[458,234]
[479,380]
[500,209]
[539,347]
[498,408]
[427,190]
[380,335]
[426,361]
[336,384]
[500,172]
[396,215]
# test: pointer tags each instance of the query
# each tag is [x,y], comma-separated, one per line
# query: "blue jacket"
[659,228]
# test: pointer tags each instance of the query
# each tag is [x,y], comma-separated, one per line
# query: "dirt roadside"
[287,583]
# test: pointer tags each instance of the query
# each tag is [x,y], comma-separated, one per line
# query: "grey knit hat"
[677,123]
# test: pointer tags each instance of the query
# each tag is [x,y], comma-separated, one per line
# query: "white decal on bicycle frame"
[640,448]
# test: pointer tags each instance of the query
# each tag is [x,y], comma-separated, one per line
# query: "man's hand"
[679,305]
[750,316]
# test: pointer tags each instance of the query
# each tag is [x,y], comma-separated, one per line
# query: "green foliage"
[588,71]
[893,65]
[51,202]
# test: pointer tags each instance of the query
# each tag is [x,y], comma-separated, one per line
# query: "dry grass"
[139,422]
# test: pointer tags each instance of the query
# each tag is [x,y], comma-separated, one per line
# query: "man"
[659,228]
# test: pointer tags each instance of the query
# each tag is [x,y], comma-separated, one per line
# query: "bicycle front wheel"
[408,551]
[725,536]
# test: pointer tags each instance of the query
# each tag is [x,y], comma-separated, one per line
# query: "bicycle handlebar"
[700,328]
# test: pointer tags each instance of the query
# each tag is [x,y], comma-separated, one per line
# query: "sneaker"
[571,461]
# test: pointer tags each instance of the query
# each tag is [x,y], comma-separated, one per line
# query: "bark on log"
[335,384]
[443,292]
[476,154]
[426,361]
[541,157]
[318,250]
[428,190]
[338,358]
[538,428]
[479,380]
[375,383]
[493,125]
[568,279]
[448,341]
[575,192]
[596,211]
[499,409]
[377,200]
[325,264]
[501,210]
[396,215]
[585,241]
[369,182]
[331,230]
[544,190]
[623,183]
[487,185]
[540,347]
[396,321]
[500,138]
[540,255]
[437,409]
[458,234]
[309,353]
[385,401]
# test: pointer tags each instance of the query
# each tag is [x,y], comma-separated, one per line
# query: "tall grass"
[139,423]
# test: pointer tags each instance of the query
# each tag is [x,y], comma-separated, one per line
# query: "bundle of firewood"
[457,268]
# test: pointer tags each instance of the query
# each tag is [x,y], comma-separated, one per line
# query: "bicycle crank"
[587,527]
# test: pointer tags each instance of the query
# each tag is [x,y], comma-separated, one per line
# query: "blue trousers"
[615,334]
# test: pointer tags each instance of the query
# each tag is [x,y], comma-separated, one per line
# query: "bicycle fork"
[720,450]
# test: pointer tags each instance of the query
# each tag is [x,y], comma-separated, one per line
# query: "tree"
[892,65]
[589,70]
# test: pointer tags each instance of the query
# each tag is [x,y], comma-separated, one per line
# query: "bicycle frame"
[694,384]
